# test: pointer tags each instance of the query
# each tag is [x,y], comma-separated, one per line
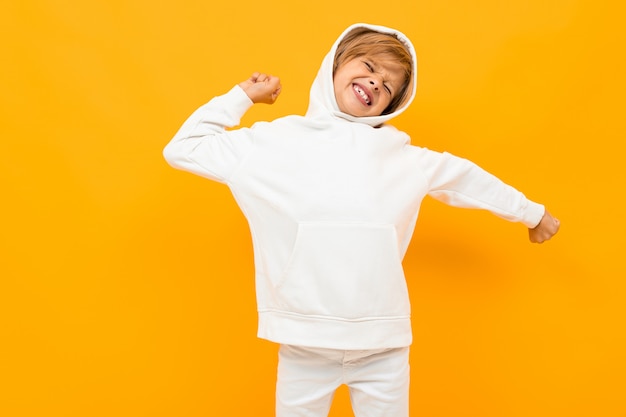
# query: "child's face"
[364,86]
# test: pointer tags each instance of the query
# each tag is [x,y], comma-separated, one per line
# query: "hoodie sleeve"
[461,183]
[204,147]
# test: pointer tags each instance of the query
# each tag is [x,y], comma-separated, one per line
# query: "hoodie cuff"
[238,101]
[534,214]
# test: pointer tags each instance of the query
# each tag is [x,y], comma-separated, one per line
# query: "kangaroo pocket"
[348,271]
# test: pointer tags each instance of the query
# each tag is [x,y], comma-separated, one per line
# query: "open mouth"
[362,94]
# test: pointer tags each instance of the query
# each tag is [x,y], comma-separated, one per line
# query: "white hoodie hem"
[332,333]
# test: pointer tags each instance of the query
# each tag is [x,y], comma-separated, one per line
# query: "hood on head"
[322,95]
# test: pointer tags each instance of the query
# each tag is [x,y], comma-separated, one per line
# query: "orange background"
[127,287]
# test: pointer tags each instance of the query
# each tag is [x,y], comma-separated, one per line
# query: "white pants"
[378,381]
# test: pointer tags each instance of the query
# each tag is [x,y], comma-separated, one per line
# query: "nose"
[374,83]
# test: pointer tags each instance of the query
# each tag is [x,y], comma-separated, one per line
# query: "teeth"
[362,94]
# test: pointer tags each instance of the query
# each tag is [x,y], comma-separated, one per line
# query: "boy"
[331,199]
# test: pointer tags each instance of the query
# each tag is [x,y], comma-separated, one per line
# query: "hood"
[322,95]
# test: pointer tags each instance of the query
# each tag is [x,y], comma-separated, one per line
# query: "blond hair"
[363,41]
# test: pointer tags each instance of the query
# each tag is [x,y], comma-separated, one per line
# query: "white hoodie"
[332,201]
